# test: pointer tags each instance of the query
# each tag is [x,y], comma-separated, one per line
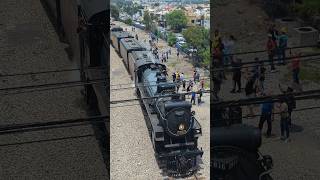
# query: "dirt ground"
[248,23]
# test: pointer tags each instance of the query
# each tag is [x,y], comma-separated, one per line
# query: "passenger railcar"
[116,36]
[116,29]
[135,56]
[128,45]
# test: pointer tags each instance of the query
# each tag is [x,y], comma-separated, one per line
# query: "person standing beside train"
[181,76]
[271,49]
[296,68]
[266,115]
[193,96]
[202,83]
[291,102]
[228,50]
[284,121]
[167,55]
[174,77]
[283,43]
[178,54]
[236,68]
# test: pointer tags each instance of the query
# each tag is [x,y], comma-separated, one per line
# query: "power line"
[311,94]
[136,104]
[261,51]
[45,87]
[224,67]
[50,71]
[146,85]
[8,129]
[204,77]
[257,64]
[51,84]
[47,140]
[155,97]
[295,110]
[125,105]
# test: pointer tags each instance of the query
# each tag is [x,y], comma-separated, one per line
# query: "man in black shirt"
[236,69]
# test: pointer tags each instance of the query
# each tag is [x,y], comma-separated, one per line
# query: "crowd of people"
[254,75]
[193,86]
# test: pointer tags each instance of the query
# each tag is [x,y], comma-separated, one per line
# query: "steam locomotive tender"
[173,128]
[116,36]
[235,148]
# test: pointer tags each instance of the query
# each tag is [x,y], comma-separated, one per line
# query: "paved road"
[28,43]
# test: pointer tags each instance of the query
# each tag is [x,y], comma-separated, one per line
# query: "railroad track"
[197,177]
[193,177]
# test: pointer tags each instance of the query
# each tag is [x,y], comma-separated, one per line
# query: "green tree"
[197,36]
[154,17]
[171,39]
[205,56]
[147,20]
[114,11]
[308,8]
[177,20]
[131,9]
[128,21]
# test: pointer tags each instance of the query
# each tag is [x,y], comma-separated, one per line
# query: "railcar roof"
[131,44]
[144,58]
[121,34]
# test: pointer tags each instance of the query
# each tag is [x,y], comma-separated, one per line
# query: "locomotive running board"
[173,154]
[156,127]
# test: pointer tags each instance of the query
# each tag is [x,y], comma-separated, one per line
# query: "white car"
[181,39]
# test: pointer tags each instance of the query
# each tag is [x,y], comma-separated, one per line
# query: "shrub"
[128,21]
[171,39]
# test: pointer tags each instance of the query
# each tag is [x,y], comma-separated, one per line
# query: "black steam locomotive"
[234,148]
[173,128]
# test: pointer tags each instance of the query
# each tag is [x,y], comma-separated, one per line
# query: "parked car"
[181,39]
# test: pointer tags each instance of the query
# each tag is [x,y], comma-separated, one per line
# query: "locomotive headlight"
[181,127]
